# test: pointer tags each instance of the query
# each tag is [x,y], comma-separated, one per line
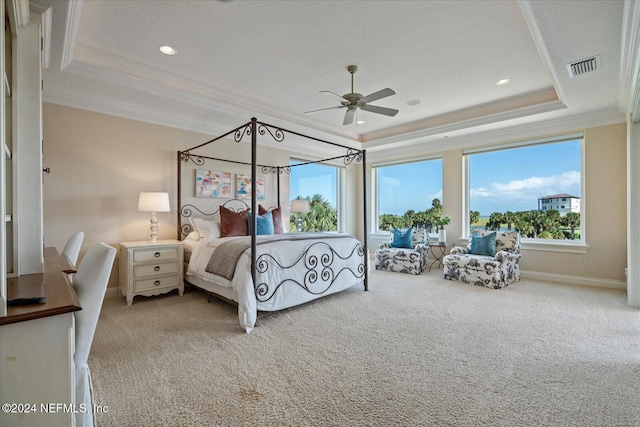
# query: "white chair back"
[72,248]
[90,283]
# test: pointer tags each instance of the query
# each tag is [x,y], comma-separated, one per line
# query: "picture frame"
[243,187]
[212,184]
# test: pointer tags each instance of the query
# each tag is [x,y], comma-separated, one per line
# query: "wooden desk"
[53,284]
[37,342]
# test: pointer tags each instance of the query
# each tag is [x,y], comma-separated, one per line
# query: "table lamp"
[299,206]
[153,202]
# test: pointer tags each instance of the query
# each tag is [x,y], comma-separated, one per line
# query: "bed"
[252,260]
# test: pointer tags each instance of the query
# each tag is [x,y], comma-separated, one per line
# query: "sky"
[307,180]
[499,181]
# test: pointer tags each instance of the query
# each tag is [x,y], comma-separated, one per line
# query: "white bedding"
[296,272]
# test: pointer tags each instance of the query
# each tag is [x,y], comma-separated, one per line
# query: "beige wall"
[604,196]
[100,163]
[603,260]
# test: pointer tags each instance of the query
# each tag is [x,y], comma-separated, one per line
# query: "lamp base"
[153,229]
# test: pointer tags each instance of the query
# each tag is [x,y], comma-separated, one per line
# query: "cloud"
[545,183]
[522,194]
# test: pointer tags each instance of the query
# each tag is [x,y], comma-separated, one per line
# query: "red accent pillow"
[278,227]
[234,223]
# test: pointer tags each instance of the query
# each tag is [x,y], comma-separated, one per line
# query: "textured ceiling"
[270,59]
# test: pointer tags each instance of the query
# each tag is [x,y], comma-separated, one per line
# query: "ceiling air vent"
[583,66]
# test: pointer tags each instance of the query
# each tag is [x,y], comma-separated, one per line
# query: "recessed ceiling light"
[168,50]
[502,82]
[360,122]
[413,102]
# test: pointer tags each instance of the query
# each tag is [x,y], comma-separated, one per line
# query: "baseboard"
[576,280]
[112,292]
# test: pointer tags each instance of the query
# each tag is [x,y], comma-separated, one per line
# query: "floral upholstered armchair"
[490,259]
[406,252]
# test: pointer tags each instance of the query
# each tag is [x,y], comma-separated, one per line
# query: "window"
[520,187]
[317,183]
[406,192]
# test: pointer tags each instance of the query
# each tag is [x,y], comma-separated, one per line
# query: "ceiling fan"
[354,101]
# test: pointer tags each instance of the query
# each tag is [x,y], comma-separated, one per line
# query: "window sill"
[544,245]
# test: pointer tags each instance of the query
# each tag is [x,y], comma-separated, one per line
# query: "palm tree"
[509,217]
[321,216]
[474,216]
[495,220]
[572,220]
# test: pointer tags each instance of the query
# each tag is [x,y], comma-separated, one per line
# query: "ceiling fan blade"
[348,117]
[333,93]
[322,109]
[377,95]
[380,110]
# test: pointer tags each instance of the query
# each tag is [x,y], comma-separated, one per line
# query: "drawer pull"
[157,254]
[157,283]
[156,268]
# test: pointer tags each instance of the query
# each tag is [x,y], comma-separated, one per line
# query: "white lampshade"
[300,206]
[154,202]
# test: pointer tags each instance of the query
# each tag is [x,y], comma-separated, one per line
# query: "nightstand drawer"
[141,255]
[155,269]
[155,283]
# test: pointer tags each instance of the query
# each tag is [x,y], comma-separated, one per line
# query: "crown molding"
[628,81]
[134,75]
[71,28]
[458,121]
[536,35]
[492,137]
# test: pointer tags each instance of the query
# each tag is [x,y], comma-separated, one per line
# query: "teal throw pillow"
[265,223]
[402,238]
[483,245]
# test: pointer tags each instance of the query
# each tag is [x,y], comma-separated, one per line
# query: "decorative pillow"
[233,223]
[276,213]
[265,223]
[206,229]
[402,238]
[483,245]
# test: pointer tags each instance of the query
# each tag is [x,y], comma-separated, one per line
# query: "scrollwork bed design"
[323,265]
[318,255]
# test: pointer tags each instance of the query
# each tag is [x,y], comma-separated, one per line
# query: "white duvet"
[289,273]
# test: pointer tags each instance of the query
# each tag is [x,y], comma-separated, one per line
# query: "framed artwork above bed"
[213,184]
[243,187]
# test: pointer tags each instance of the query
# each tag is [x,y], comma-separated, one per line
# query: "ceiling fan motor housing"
[354,101]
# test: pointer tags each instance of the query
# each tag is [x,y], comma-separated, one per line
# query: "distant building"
[563,203]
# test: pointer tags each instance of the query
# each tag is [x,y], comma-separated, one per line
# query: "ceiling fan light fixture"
[168,50]
[354,101]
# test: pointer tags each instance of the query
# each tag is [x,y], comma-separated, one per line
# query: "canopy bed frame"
[253,129]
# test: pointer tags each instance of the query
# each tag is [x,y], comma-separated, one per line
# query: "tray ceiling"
[271,59]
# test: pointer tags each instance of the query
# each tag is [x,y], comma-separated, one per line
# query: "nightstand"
[150,268]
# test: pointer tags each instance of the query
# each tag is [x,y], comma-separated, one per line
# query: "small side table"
[438,250]
[150,268]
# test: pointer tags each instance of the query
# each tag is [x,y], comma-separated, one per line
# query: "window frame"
[575,246]
[375,184]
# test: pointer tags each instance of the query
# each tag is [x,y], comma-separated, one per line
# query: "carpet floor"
[413,351]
